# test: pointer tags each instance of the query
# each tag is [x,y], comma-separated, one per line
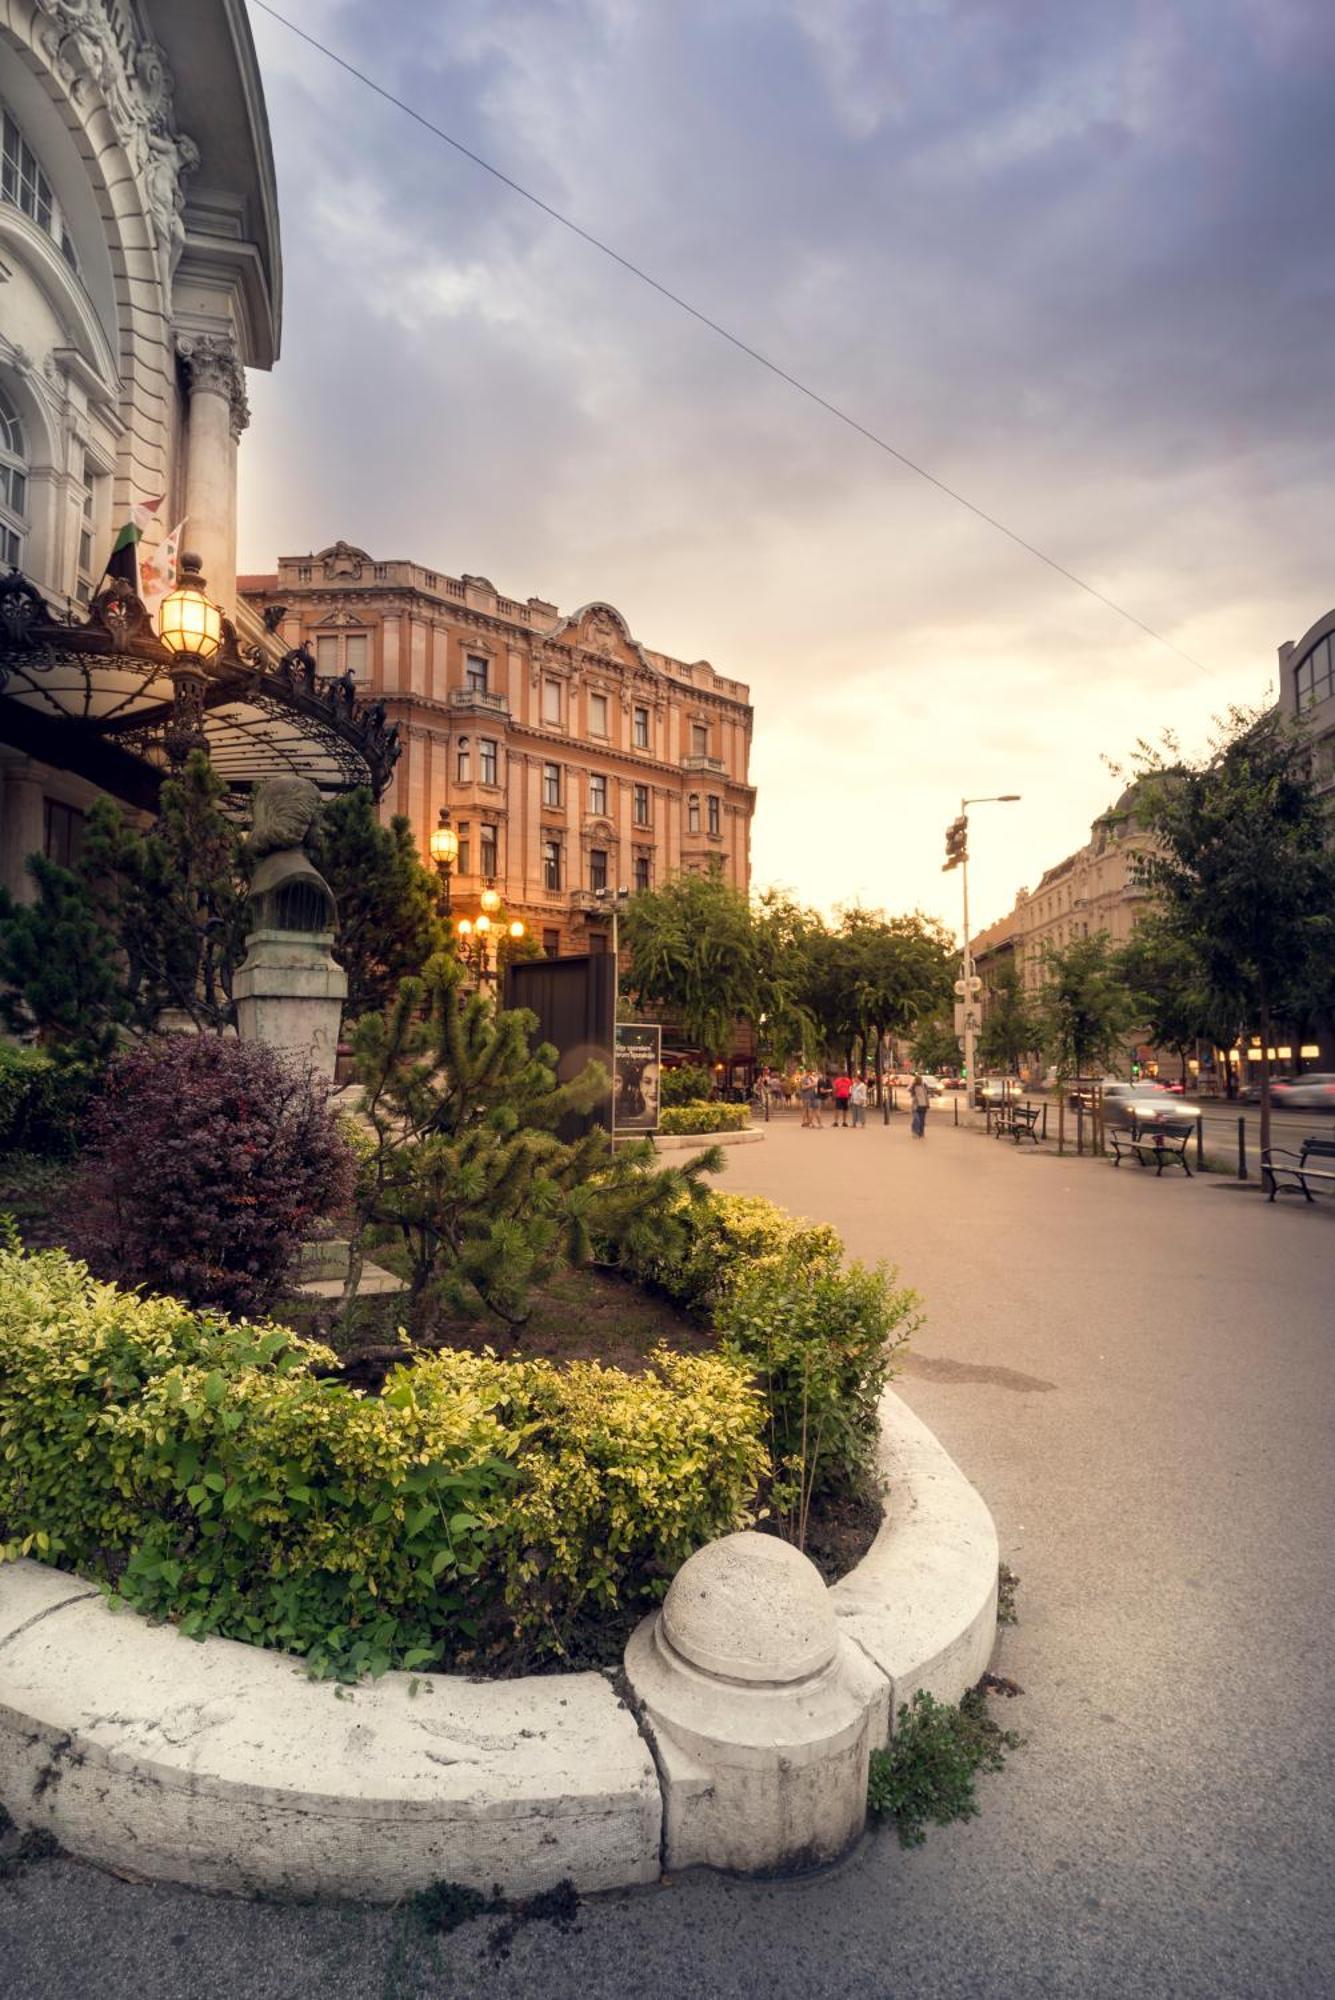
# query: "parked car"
[1147,1103]
[1313,1092]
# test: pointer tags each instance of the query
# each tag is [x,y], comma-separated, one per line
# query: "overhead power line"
[733,340]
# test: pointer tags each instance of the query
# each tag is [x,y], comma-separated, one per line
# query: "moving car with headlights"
[1146,1103]
[1312,1092]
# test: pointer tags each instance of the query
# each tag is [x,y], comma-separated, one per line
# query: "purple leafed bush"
[207,1161]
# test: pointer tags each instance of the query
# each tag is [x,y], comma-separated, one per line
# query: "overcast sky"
[1074,258]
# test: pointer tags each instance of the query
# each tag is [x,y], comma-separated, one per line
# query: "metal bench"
[1289,1173]
[1159,1149]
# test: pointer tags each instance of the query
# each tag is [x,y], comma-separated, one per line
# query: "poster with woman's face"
[636,1072]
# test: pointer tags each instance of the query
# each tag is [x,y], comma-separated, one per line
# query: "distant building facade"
[1307,693]
[574,760]
[1095,889]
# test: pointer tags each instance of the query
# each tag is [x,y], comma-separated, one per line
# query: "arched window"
[23,183]
[13,486]
[463,762]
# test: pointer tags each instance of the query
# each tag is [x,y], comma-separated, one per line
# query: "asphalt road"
[1138,1375]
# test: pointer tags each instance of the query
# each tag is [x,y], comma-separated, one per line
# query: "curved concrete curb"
[922,1603]
[676,1142]
[224,1766]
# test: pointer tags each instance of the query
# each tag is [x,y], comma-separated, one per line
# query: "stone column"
[216,386]
[22,829]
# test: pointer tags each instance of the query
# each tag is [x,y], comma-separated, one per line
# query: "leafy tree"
[464,1164]
[1170,992]
[1243,870]
[389,918]
[936,1046]
[1084,1007]
[692,948]
[877,975]
[1010,1030]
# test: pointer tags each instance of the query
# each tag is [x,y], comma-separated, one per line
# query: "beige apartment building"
[574,761]
[1092,890]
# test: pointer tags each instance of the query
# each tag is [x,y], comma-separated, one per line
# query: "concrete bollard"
[761,1713]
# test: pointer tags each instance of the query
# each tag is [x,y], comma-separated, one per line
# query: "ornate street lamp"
[475,935]
[444,852]
[190,626]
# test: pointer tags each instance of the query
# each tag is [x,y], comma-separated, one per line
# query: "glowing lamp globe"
[490,901]
[483,924]
[464,927]
[189,623]
[444,846]
[516,929]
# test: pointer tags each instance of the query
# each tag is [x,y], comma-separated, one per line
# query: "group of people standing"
[841,1095]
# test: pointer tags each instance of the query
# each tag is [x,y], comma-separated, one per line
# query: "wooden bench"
[1158,1148]
[1018,1121]
[1288,1172]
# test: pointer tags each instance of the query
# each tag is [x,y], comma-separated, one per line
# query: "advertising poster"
[635,1079]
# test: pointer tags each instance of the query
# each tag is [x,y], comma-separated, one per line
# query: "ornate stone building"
[1092,890]
[574,760]
[139,278]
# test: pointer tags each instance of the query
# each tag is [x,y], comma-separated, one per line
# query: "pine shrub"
[208,1160]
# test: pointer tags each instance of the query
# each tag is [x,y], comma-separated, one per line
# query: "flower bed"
[477,1512]
[687,1118]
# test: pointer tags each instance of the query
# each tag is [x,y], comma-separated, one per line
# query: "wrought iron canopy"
[102,697]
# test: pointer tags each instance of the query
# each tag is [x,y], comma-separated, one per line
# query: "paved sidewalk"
[1139,1375]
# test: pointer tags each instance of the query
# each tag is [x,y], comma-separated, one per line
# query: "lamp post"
[957,856]
[190,626]
[476,934]
[444,845]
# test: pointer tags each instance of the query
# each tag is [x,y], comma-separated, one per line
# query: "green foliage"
[927,1774]
[688,1083]
[874,976]
[622,1476]
[59,975]
[389,920]
[41,1101]
[936,1046]
[1243,871]
[1084,1007]
[692,952]
[1009,1031]
[704,1118]
[717,1237]
[201,1468]
[819,1341]
[466,1166]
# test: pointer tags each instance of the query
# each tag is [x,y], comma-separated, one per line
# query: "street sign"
[968,1020]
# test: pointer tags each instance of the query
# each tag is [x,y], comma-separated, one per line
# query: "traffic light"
[957,844]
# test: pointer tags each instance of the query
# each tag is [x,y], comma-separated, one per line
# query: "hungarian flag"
[123,562]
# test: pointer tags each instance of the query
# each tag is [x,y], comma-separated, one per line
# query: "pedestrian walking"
[920,1097]
[857,1097]
[806,1090]
[842,1089]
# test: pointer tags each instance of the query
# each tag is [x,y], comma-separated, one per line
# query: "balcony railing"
[478,701]
[715,764]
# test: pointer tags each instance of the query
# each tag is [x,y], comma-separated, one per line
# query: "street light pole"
[957,856]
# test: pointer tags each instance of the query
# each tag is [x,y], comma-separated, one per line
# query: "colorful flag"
[158,570]
[123,562]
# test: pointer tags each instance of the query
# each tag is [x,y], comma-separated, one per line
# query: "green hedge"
[200,1469]
[704,1118]
[41,1101]
[685,1083]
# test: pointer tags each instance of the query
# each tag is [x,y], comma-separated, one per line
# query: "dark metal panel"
[575,1002]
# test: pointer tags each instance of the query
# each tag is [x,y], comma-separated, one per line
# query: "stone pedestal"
[290,993]
[760,1712]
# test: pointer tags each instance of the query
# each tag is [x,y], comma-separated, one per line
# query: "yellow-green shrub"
[201,1469]
[622,1476]
[704,1118]
[728,1233]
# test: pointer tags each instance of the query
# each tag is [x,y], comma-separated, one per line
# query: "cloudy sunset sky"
[1075,259]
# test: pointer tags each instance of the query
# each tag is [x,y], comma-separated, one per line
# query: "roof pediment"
[601,630]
